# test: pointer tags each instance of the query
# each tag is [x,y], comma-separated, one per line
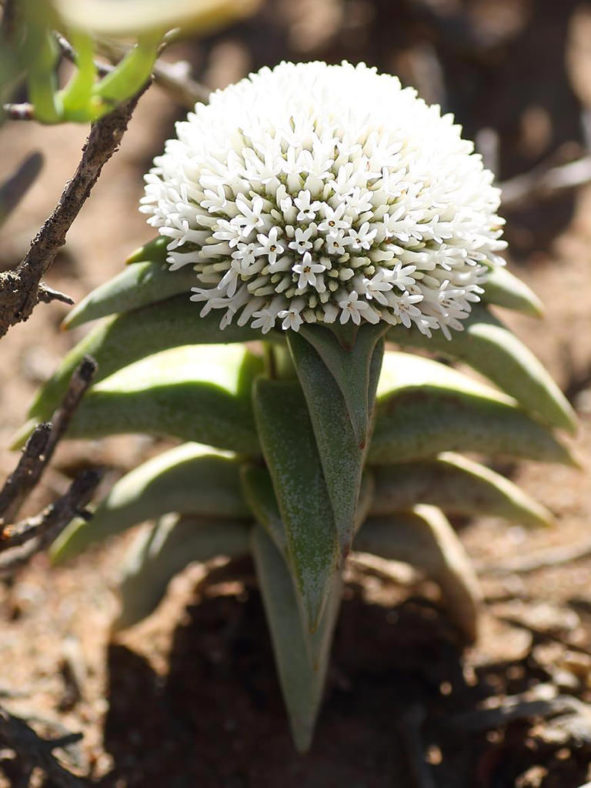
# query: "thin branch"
[545,181]
[41,445]
[36,752]
[47,294]
[37,533]
[19,288]
[26,474]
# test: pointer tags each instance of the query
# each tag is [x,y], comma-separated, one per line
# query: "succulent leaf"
[504,289]
[424,539]
[457,486]
[289,447]
[493,350]
[340,453]
[136,286]
[194,393]
[350,366]
[257,487]
[301,657]
[425,407]
[165,549]
[189,479]
[123,340]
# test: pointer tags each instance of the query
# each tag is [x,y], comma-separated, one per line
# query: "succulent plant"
[345,225]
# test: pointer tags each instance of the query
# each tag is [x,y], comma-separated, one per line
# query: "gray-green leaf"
[340,453]
[189,479]
[493,350]
[289,447]
[456,485]
[301,657]
[424,539]
[425,408]
[121,340]
[167,548]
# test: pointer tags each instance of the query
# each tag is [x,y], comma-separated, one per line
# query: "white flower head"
[312,193]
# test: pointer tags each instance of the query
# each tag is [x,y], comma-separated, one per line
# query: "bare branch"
[19,288]
[38,532]
[36,752]
[42,443]
[26,474]
[47,294]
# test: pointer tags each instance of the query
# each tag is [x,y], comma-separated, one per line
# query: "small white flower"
[291,317]
[342,197]
[302,242]
[307,210]
[269,245]
[352,307]
[307,271]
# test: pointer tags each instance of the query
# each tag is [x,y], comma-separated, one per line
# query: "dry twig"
[19,289]
[38,532]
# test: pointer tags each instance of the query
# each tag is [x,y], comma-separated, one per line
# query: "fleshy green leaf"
[425,408]
[504,289]
[258,492]
[167,548]
[424,539]
[136,286]
[76,96]
[350,366]
[493,350]
[154,251]
[340,453]
[129,74]
[301,657]
[189,479]
[288,444]
[195,393]
[456,485]
[122,340]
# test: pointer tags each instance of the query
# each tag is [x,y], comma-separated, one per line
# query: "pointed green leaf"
[189,479]
[457,486]
[288,444]
[301,657]
[136,286]
[425,408]
[424,539]
[154,251]
[504,289]
[257,488]
[493,350]
[350,367]
[130,73]
[340,454]
[167,548]
[122,340]
[77,93]
[194,393]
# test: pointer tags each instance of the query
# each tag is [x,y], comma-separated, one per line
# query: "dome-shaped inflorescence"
[312,193]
